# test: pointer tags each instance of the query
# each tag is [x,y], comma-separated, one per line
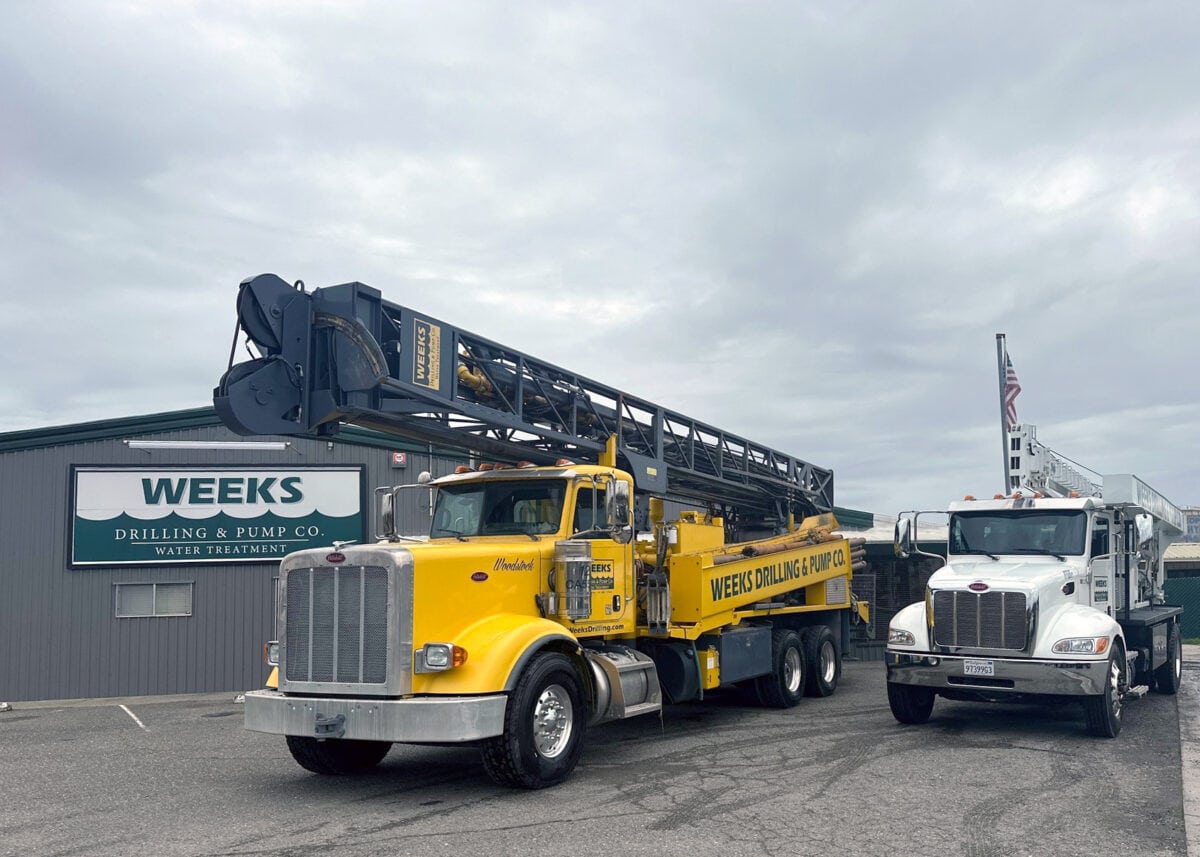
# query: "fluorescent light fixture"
[208,444]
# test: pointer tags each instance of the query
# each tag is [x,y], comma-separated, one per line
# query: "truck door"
[612,564]
[1101,557]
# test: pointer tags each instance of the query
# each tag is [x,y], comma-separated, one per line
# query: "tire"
[544,725]
[910,704]
[824,662]
[1104,710]
[1168,676]
[336,756]
[783,687]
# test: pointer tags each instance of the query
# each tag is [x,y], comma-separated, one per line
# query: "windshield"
[496,508]
[1050,532]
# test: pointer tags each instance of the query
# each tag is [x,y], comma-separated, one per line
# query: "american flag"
[1011,387]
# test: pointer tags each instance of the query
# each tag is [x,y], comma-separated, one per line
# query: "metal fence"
[1185,591]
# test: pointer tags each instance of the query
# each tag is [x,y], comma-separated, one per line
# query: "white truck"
[1053,591]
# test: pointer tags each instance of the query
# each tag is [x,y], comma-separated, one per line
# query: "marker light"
[997,496]
[484,467]
[464,468]
[563,462]
[439,657]
[969,497]
[1017,495]
[526,464]
[1081,646]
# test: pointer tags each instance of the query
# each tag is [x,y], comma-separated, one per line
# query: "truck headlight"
[898,637]
[439,657]
[1081,646]
[271,653]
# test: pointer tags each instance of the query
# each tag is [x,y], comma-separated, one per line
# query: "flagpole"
[1001,373]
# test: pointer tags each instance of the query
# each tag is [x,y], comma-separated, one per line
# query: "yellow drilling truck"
[552,592]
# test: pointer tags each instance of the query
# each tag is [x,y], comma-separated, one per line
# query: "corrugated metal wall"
[59,635]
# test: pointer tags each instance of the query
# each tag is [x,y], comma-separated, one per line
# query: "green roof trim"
[107,429]
[121,427]
[853,518]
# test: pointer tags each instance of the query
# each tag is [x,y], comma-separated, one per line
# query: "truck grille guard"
[346,628]
[995,621]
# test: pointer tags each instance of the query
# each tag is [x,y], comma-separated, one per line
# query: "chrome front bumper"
[1011,676]
[446,719]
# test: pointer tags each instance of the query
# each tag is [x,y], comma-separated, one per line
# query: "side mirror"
[1145,528]
[387,513]
[902,541]
[617,510]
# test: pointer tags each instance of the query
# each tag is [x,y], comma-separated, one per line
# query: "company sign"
[161,515]
[427,354]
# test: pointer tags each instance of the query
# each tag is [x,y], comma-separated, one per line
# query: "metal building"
[140,554]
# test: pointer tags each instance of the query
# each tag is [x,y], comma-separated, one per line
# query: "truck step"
[642,708]
[1136,692]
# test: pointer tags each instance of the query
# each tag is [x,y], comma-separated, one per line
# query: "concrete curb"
[198,698]
[1189,746]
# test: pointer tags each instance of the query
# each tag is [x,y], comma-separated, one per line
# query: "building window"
[153,599]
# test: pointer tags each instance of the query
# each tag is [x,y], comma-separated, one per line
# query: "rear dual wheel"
[1168,676]
[824,662]
[783,687]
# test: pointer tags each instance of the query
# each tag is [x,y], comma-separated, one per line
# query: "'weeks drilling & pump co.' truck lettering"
[534,610]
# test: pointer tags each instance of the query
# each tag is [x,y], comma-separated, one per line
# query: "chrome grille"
[979,620]
[336,626]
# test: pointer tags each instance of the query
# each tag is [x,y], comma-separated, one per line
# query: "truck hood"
[1027,572]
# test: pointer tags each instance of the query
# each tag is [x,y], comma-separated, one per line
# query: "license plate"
[977,667]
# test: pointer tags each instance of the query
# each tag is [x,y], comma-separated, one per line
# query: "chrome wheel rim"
[553,721]
[828,663]
[793,672]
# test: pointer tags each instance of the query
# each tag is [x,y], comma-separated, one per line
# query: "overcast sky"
[801,222]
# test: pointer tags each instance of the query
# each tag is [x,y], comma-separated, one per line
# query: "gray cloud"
[803,223]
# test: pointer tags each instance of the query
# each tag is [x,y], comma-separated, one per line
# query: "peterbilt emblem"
[335,557]
[978,586]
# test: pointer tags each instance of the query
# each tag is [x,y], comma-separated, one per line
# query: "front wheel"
[910,704]
[1168,676]
[336,756]
[543,727]
[1104,710]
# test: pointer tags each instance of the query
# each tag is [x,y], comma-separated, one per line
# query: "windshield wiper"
[976,551]
[1042,552]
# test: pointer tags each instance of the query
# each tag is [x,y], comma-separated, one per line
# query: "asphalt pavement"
[180,777]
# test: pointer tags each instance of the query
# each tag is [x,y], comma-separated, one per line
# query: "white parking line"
[134,716]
